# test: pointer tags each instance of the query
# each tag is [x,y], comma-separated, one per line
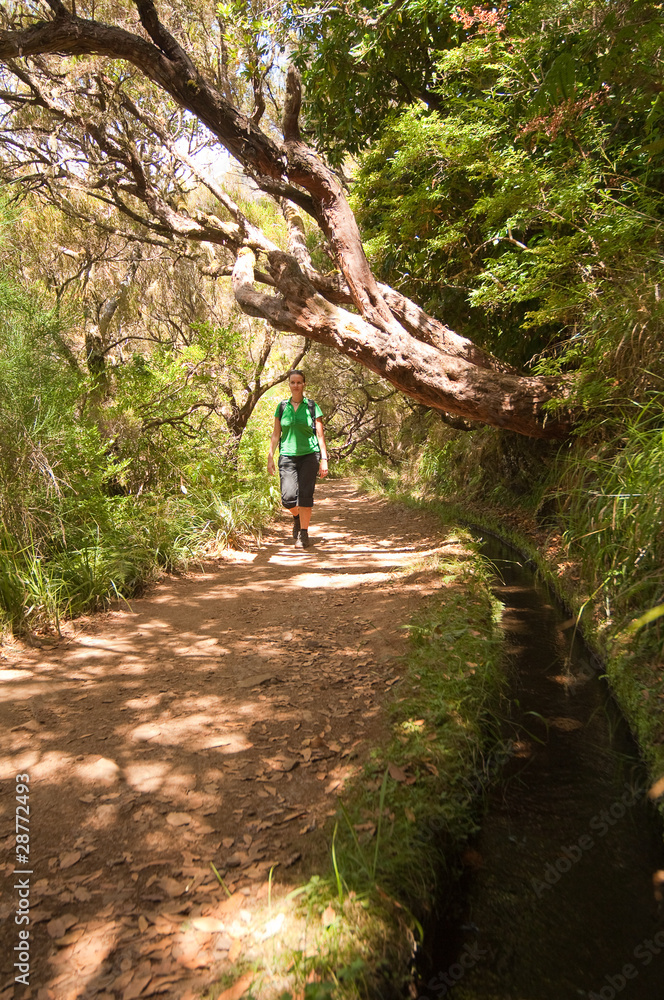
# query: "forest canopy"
[459,154]
[503,163]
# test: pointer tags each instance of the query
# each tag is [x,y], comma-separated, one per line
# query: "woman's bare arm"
[320,434]
[274,441]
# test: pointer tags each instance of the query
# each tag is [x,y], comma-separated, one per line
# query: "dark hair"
[296,371]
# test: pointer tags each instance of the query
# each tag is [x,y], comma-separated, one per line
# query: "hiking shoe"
[304,538]
[296,526]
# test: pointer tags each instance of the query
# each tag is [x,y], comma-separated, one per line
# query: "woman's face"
[296,386]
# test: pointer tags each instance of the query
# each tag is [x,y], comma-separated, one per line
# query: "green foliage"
[96,500]
[526,210]
[364,415]
[360,59]
[600,498]
[159,420]
[40,446]
[250,38]
[614,499]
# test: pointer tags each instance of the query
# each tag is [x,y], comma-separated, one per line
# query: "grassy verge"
[119,548]
[352,930]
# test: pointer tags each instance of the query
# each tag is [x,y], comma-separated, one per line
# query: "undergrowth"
[596,504]
[87,515]
[125,544]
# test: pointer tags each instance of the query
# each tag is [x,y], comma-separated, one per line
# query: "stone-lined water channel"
[558,903]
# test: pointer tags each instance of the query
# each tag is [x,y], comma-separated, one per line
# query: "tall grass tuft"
[614,513]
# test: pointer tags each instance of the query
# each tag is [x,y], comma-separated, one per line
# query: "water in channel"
[558,902]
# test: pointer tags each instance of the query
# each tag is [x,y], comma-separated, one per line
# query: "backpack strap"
[312,414]
[280,413]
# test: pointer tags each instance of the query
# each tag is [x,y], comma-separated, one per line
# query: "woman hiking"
[298,430]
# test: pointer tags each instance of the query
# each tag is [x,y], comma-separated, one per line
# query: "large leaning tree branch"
[442,382]
[388,334]
[111,158]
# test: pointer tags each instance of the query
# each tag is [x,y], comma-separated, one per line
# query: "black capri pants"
[298,479]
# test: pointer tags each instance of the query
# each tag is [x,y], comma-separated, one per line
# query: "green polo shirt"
[298,437]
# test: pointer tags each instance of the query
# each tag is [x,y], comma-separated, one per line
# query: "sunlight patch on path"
[320,581]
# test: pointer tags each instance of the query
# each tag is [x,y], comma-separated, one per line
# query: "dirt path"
[215,720]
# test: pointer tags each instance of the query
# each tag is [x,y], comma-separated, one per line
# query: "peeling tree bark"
[390,335]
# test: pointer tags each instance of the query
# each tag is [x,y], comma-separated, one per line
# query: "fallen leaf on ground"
[369,828]
[256,680]
[282,763]
[207,924]
[234,952]
[657,789]
[60,925]
[217,741]
[235,860]
[136,987]
[396,772]
[565,724]
[232,903]
[171,886]
[658,884]
[69,859]
[161,983]
[71,937]
[292,816]
[187,951]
